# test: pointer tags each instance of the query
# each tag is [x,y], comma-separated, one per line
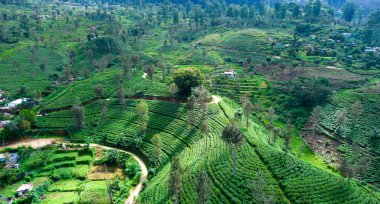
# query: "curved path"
[133,193]
[41,142]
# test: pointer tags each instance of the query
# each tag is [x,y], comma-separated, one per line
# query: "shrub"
[131,170]
[63,173]
[185,79]
[136,179]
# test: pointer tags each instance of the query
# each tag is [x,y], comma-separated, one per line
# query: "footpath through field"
[41,142]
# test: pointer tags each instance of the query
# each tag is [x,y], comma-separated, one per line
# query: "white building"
[15,103]
[230,73]
[24,188]
[4,123]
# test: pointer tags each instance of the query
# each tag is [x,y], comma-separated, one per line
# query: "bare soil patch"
[35,143]
[322,145]
[102,173]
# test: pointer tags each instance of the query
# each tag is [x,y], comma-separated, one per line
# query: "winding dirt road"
[41,142]
[144,174]
[35,143]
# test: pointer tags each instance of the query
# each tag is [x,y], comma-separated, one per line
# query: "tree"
[151,71]
[23,125]
[142,109]
[288,136]
[340,119]
[311,92]
[99,90]
[357,109]
[349,10]
[121,94]
[258,190]
[317,8]
[28,115]
[247,107]
[175,181]
[191,117]
[78,113]
[234,138]
[345,168]
[173,90]
[90,55]
[374,138]
[203,188]
[43,67]
[202,97]
[316,117]
[205,129]
[157,143]
[186,79]
[317,61]
[271,117]
[137,140]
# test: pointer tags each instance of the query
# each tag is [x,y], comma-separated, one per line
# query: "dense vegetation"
[70,175]
[296,119]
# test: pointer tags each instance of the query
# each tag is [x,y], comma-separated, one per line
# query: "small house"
[15,103]
[13,157]
[2,157]
[4,123]
[370,49]
[230,73]
[346,35]
[16,166]
[23,189]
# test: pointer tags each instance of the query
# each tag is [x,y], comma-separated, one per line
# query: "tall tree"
[175,181]
[202,96]
[340,120]
[349,10]
[173,90]
[316,117]
[157,143]
[258,189]
[121,94]
[271,117]
[317,8]
[205,129]
[288,136]
[151,71]
[234,138]
[78,114]
[357,109]
[99,90]
[203,188]
[142,109]
[247,107]
[345,168]
[374,138]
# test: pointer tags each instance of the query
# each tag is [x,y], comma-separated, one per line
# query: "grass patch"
[65,185]
[61,197]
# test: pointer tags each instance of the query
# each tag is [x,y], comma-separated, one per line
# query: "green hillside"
[289,178]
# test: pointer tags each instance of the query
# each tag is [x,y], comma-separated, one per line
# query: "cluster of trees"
[19,126]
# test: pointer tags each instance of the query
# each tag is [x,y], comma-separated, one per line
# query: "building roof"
[24,187]
[16,102]
[229,72]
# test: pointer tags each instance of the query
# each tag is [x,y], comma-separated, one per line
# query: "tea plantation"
[64,175]
[289,179]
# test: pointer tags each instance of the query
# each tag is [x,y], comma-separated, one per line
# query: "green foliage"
[311,92]
[188,78]
[131,170]
[349,10]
